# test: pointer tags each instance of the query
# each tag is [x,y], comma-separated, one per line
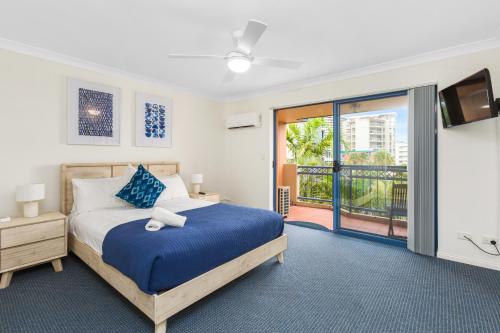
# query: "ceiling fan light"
[238,64]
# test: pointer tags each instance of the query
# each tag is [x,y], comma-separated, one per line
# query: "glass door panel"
[303,148]
[372,158]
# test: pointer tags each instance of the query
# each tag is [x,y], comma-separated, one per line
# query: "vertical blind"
[422,161]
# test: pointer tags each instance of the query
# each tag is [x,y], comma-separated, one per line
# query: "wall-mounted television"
[468,100]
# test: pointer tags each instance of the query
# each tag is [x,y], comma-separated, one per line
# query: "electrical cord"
[491,254]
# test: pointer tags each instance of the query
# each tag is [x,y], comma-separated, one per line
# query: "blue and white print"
[154,120]
[95,113]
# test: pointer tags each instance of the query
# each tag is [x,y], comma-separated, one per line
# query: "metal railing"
[365,189]
[315,184]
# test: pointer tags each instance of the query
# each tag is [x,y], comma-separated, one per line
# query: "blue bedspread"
[212,236]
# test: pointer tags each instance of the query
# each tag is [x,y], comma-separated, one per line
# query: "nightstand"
[208,196]
[30,241]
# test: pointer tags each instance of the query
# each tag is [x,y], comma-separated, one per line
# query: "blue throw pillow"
[142,190]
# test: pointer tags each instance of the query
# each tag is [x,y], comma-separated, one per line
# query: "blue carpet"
[329,283]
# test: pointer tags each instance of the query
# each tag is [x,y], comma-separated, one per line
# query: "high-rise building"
[328,154]
[370,133]
[401,153]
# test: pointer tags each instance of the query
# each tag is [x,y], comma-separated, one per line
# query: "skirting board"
[468,261]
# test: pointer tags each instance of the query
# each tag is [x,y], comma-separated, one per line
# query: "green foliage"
[357,158]
[309,141]
[382,157]
[316,186]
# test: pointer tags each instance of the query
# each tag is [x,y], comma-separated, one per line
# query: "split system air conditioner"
[243,120]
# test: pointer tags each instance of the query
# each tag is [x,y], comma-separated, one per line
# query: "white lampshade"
[30,192]
[196,178]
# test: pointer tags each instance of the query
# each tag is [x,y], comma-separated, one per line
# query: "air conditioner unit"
[243,120]
[284,200]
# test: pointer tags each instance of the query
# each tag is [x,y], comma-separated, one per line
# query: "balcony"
[365,196]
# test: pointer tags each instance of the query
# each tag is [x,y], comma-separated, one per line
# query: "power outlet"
[488,239]
[462,235]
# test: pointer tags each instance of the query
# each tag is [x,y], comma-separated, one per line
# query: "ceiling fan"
[241,59]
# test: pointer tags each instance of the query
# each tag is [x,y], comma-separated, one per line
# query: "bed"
[161,299]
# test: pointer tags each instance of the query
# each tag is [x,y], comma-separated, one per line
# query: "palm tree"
[357,158]
[382,157]
[309,141]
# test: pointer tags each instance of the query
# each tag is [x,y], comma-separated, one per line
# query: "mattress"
[212,235]
[92,227]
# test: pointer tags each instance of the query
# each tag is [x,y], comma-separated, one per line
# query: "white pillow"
[96,193]
[175,188]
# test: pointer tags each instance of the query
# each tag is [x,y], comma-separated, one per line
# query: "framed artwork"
[153,121]
[93,114]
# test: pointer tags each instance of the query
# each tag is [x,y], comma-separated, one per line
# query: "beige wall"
[467,163]
[33,112]
[237,163]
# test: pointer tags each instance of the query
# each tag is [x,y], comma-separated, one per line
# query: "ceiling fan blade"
[251,35]
[229,76]
[290,64]
[194,56]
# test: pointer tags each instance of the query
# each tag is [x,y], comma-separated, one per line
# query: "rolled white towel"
[167,217]
[154,225]
[162,217]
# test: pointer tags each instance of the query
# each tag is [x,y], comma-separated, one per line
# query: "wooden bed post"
[281,257]
[161,327]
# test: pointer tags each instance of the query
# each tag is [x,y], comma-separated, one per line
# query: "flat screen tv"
[468,100]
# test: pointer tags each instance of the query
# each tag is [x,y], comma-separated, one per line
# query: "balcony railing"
[315,184]
[365,189]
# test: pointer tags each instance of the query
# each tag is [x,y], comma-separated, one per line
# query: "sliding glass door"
[354,162]
[303,148]
[370,167]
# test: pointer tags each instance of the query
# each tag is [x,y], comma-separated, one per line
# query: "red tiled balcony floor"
[324,217]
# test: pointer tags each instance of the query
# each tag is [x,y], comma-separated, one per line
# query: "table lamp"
[30,194]
[196,180]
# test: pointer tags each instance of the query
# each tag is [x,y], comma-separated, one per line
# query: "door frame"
[275,172]
[336,177]
[275,144]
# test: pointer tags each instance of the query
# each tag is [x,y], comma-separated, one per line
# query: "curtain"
[422,174]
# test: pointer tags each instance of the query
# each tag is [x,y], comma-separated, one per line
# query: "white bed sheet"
[92,227]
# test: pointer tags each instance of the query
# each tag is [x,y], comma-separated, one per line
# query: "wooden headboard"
[104,170]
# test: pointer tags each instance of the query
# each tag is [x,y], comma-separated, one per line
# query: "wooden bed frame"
[158,307]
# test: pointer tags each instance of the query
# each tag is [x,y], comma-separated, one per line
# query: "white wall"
[467,163]
[33,108]
[238,163]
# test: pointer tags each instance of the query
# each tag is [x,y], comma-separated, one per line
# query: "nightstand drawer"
[31,233]
[32,253]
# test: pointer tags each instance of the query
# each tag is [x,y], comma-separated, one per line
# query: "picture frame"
[153,121]
[93,113]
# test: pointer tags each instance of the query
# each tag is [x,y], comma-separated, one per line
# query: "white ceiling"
[329,36]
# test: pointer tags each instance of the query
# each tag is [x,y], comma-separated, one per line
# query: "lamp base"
[196,188]
[30,209]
